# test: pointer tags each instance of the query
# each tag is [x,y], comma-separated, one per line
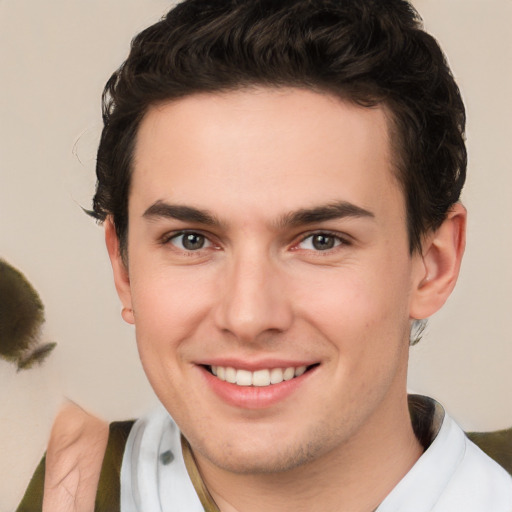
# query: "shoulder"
[479,483]
[73,459]
[81,448]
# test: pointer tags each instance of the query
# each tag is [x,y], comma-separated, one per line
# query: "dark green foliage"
[21,319]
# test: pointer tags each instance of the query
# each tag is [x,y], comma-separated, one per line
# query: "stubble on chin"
[281,456]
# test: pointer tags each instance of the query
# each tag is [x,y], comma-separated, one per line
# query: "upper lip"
[262,364]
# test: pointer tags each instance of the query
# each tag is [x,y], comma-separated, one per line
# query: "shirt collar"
[444,443]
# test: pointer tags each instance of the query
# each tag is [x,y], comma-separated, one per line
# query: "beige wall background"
[55,57]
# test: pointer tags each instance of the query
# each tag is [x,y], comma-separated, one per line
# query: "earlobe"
[121,276]
[438,266]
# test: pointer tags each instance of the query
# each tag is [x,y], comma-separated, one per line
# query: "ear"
[121,277]
[439,264]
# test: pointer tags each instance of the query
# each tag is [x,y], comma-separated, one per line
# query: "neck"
[358,474]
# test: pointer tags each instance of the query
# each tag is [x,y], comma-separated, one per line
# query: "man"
[280,184]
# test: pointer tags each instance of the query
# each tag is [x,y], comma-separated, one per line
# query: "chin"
[263,463]
[280,454]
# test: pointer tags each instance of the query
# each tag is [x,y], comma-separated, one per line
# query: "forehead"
[279,146]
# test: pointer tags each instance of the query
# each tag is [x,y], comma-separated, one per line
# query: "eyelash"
[338,240]
[168,238]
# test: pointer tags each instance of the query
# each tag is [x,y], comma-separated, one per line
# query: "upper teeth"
[257,378]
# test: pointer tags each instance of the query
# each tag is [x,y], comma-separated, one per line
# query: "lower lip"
[254,397]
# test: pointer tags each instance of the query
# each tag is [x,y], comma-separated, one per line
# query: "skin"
[259,291]
[73,460]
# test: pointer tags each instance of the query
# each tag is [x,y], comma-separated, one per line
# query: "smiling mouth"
[258,378]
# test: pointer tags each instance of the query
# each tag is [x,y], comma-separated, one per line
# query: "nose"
[254,302]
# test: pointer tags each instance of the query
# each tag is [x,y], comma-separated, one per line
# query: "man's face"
[267,234]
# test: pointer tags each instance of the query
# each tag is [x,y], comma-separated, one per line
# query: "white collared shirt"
[452,475]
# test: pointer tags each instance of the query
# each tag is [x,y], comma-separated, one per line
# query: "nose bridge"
[253,300]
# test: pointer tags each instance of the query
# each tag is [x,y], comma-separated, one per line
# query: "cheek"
[168,307]
[356,309]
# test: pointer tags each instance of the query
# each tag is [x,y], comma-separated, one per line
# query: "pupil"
[192,241]
[323,242]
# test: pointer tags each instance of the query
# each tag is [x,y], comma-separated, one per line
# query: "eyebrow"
[337,210]
[304,216]
[160,209]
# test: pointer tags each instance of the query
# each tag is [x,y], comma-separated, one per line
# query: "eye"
[320,242]
[190,241]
